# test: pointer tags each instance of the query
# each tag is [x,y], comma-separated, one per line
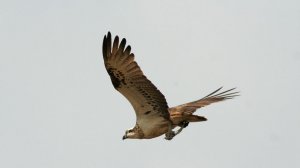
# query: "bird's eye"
[129,131]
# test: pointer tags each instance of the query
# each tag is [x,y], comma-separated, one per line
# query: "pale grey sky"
[58,108]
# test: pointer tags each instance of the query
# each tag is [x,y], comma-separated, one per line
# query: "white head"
[133,133]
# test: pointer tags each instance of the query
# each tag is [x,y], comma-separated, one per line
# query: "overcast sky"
[58,108]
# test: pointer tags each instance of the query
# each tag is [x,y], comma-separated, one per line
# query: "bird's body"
[153,116]
[159,126]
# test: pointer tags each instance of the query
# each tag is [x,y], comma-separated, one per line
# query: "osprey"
[153,115]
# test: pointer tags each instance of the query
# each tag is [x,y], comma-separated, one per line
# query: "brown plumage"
[153,116]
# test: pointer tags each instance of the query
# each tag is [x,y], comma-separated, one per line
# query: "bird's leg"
[181,125]
[179,130]
[170,134]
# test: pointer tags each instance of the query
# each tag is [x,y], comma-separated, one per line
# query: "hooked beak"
[124,137]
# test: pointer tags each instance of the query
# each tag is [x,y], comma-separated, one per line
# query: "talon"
[170,135]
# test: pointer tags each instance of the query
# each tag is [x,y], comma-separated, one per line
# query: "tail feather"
[179,117]
[195,118]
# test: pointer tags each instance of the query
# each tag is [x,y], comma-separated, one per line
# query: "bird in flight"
[153,115]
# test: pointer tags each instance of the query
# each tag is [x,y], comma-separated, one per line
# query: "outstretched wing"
[129,80]
[207,100]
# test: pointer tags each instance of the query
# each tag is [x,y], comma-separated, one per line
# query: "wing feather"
[207,100]
[129,80]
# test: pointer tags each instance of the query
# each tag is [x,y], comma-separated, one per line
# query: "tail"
[179,117]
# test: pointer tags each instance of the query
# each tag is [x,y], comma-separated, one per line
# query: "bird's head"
[131,134]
